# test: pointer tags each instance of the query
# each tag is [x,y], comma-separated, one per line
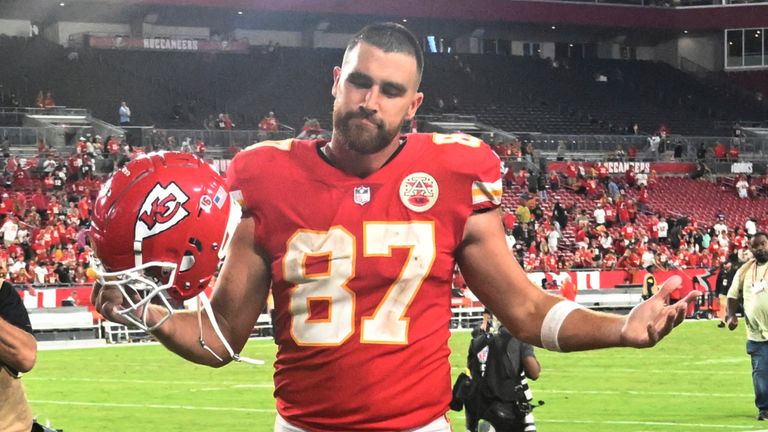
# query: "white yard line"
[137,381]
[642,423]
[153,406]
[643,393]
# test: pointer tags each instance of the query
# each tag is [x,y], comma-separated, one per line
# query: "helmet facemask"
[140,289]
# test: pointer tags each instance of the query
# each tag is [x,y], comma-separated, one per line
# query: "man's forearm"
[18,349]
[181,334]
[733,306]
[584,330]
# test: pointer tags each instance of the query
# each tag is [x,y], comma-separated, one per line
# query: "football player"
[357,238]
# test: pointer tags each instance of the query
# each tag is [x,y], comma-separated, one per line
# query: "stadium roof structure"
[341,13]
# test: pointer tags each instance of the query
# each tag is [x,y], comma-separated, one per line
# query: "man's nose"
[371,101]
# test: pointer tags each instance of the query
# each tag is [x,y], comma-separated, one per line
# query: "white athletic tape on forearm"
[550,328]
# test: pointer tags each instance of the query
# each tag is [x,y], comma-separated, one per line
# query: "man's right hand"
[109,302]
[732,322]
[106,299]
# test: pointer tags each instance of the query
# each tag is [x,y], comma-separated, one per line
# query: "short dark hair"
[760,234]
[391,38]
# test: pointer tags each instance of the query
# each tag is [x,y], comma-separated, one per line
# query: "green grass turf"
[696,380]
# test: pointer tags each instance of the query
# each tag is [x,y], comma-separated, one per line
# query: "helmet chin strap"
[203,300]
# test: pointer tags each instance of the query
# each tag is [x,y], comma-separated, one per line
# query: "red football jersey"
[361,274]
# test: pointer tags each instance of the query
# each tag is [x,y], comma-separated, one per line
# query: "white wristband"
[553,321]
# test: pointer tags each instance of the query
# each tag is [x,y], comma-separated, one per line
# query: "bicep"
[243,284]
[494,275]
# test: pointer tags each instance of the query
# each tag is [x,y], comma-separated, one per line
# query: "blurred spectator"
[523,213]
[124,114]
[268,126]
[10,230]
[49,102]
[742,186]
[40,100]
[313,130]
[720,151]
[200,148]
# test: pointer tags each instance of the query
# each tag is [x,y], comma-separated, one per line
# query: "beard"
[760,256]
[361,138]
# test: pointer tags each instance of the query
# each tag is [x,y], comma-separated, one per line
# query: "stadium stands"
[180,90]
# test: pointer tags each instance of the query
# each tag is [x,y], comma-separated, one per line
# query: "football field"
[696,380]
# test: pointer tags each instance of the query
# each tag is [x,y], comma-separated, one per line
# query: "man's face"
[374,93]
[759,248]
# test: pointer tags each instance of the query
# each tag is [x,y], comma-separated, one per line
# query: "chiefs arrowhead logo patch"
[162,209]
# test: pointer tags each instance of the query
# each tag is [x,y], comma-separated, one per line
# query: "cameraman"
[18,352]
[500,366]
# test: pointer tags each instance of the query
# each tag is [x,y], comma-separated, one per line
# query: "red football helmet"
[160,227]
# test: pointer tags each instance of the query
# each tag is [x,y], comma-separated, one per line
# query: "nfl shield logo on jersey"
[362,195]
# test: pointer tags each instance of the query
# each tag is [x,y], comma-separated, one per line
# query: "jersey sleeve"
[479,164]
[236,183]
[487,186]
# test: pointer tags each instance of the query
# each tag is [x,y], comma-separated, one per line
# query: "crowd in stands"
[588,218]
[45,215]
[45,210]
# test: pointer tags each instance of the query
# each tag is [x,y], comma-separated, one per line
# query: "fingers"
[653,335]
[680,310]
[672,283]
[106,300]
[669,318]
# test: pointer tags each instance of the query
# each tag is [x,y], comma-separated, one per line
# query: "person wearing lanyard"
[750,286]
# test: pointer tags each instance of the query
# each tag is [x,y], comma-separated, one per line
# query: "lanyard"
[754,274]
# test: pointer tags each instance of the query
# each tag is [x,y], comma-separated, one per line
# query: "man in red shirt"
[571,173]
[629,176]
[602,173]
[268,126]
[549,262]
[628,232]
[720,151]
[384,324]
[643,199]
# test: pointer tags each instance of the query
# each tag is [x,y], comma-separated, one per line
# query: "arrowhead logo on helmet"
[162,209]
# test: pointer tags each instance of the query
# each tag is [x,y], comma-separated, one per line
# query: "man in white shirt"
[40,273]
[552,240]
[663,229]
[599,215]
[743,187]
[750,226]
[649,259]
[10,229]
[641,179]
[720,227]
[606,241]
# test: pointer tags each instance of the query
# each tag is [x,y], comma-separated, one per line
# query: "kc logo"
[162,209]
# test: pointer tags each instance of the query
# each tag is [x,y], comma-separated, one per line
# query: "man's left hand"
[653,319]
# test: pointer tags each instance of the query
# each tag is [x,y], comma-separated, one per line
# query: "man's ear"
[336,77]
[418,99]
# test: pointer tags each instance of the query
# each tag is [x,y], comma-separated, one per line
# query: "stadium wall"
[149,30]
[14,27]
[61,31]
[585,280]
[264,37]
